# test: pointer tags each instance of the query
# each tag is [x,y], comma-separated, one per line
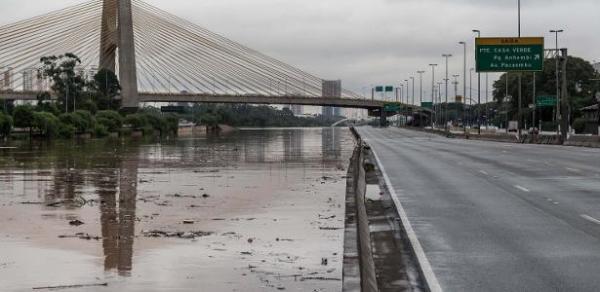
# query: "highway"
[493,216]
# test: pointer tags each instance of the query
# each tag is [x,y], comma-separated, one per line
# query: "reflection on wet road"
[256,210]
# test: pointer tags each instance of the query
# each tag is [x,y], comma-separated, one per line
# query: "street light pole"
[471,95]
[464,84]
[478,32]
[447,56]
[558,113]
[433,91]
[420,72]
[413,90]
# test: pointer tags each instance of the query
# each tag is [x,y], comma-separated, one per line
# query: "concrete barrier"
[583,141]
[357,214]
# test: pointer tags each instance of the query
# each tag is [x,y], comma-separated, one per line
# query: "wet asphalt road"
[495,216]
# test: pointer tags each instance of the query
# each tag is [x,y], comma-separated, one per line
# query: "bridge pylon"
[117,33]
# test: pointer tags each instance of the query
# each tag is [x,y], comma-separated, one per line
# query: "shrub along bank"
[43,122]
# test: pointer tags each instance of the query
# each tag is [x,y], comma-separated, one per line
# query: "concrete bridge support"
[117,32]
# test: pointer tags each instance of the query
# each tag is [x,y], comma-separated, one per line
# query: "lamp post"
[464,83]
[447,56]
[556,32]
[420,72]
[471,94]
[413,90]
[598,101]
[407,95]
[478,32]
[433,91]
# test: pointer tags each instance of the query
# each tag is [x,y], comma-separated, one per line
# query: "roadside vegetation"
[89,107]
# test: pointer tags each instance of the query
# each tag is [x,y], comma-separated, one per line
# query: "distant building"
[6,78]
[28,75]
[597,67]
[331,89]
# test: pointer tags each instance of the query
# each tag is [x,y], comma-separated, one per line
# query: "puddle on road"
[256,210]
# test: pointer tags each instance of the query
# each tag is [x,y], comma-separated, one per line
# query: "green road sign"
[428,105]
[545,101]
[378,88]
[389,89]
[392,107]
[509,54]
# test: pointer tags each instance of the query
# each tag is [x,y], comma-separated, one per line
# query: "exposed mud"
[255,210]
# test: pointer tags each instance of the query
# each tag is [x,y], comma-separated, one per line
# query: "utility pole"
[433,91]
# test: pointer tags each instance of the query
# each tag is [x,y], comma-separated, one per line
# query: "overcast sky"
[368,42]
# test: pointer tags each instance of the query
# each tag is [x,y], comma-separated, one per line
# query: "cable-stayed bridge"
[158,57]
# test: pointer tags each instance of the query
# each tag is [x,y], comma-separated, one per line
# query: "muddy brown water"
[254,210]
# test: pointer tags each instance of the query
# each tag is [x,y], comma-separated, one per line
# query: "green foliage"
[579,125]
[88,105]
[66,82]
[249,116]
[6,124]
[81,121]
[150,121]
[111,120]
[45,106]
[23,116]
[580,88]
[88,120]
[136,121]
[66,131]
[106,87]
[100,131]
[46,124]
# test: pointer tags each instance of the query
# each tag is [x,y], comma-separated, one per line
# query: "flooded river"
[254,210]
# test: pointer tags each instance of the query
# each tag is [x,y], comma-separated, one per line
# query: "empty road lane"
[495,216]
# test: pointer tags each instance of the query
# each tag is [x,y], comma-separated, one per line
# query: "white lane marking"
[483,172]
[572,169]
[522,188]
[432,282]
[590,218]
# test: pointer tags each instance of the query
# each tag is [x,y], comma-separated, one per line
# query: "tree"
[23,116]
[111,120]
[6,124]
[66,82]
[106,86]
[579,87]
[47,124]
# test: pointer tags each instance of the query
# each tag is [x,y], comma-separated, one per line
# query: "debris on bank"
[81,235]
[178,234]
